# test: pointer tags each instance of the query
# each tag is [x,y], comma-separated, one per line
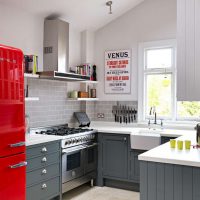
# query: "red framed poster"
[118,72]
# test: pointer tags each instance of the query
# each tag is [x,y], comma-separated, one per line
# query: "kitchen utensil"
[134,114]
[120,110]
[124,113]
[131,115]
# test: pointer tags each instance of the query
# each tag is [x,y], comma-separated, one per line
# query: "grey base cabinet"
[43,177]
[135,165]
[165,139]
[115,156]
[159,181]
[117,162]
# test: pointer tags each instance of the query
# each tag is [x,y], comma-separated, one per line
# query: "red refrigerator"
[12,125]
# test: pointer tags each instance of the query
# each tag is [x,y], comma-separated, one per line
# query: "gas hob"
[70,136]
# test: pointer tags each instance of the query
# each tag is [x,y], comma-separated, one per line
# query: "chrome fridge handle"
[19,144]
[21,164]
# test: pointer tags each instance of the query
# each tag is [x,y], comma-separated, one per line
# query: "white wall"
[87,47]
[151,20]
[22,30]
[25,31]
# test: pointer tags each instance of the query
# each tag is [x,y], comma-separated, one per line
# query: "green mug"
[173,143]
[187,144]
[180,144]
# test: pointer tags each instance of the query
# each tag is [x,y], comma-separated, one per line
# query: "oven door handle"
[67,151]
[91,145]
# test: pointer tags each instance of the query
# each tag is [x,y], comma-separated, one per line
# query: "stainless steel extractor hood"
[56,52]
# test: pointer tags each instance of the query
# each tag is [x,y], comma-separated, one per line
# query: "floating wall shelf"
[26,75]
[32,99]
[82,99]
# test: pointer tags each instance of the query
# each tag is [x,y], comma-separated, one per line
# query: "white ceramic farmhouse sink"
[145,139]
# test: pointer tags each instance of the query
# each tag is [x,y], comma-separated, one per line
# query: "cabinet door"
[188,49]
[135,165]
[166,139]
[12,173]
[115,156]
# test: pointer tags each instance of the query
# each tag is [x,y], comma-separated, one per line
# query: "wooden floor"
[100,193]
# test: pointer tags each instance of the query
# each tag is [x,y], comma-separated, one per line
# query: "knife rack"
[124,114]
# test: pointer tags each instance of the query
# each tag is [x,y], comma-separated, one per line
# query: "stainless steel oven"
[79,154]
[78,161]
[72,163]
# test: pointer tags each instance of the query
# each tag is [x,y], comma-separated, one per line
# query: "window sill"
[181,125]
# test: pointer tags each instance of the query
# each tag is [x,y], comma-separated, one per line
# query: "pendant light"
[166,80]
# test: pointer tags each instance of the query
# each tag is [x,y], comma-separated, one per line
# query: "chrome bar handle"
[21,164]
[92,145]
[19,144]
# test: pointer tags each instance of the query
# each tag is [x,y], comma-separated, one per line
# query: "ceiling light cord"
[109,3]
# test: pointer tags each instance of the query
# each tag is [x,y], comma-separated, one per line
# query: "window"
[159,94]
[157,83]
[157,79]
[188,110]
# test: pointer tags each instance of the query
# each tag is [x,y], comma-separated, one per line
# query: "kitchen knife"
[120,116]
[124,114]
[129,117]
[134,112]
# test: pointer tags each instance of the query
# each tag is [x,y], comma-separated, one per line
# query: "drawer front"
[42,161]
[43,149]
[44,190]
[42,174]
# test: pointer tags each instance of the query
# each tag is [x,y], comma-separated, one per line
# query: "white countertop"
[164,154]
[33,139]
[134,129]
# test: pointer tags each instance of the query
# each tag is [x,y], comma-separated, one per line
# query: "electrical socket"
[100,115]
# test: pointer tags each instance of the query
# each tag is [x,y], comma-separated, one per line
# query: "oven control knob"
[70,141]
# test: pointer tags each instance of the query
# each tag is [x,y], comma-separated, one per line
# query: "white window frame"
[142,71]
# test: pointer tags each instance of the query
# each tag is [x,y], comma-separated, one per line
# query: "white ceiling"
[82,14]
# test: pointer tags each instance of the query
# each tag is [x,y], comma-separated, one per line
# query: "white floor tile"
[100,193]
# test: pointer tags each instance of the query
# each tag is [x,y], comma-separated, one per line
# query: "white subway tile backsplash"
[53,107]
